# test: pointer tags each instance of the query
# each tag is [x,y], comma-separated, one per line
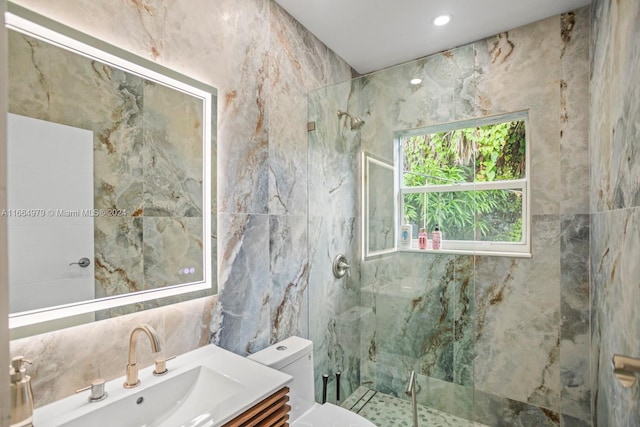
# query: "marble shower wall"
[264,64]
[265,200]
[532,329]
[504,338]
[615,205]
[147,160]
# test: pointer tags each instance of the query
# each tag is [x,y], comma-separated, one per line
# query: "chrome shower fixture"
[355,122]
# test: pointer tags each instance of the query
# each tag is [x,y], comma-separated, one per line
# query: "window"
[470,179]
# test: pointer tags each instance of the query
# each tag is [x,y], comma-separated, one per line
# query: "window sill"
[466,252]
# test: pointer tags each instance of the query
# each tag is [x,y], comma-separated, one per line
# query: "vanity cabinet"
[271,412]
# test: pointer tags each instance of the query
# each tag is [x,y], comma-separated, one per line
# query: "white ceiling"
[375,34]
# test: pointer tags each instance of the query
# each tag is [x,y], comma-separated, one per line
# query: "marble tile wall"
[615,205]
[512,331]
[263,63]
[545,349]
[297,63]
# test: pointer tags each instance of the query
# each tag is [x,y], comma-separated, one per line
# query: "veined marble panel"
[574,310]
[245,113]
[289,277]
[501,412]
[600,121]
[615,123]
[293,53]
[569,421]
[574,118]
[518,321]
[242,318]
[624,172]
[520,70]
[616,296]
[615,219]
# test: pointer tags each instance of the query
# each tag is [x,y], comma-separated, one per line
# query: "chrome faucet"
[132,365]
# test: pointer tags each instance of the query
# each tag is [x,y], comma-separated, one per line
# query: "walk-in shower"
[493,340]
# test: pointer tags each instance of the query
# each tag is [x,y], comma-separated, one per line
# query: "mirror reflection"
[109,180]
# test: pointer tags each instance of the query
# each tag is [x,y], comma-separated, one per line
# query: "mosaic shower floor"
[389,411]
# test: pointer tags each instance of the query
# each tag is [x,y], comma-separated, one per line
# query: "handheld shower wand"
[411,391]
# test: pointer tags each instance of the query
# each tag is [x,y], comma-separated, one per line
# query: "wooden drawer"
[271,412]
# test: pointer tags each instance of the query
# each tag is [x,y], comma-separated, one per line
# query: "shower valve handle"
[340,266]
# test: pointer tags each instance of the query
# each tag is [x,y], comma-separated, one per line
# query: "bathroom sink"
[206,387]
[169,402]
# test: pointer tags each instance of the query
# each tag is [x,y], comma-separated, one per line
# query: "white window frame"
[474,247]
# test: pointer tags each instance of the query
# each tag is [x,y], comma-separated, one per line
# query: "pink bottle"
[436,238]
[422,239]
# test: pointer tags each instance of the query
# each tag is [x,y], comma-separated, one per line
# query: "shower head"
[354,122]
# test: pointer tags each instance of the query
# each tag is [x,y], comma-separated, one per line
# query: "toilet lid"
[329,415]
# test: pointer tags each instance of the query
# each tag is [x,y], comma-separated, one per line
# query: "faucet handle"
[98,392]
[161,365]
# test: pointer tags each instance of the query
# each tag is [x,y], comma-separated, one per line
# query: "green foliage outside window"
[481,154]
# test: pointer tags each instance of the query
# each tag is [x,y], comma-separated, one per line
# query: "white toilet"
[294,356]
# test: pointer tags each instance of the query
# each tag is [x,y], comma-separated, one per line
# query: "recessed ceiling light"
[415,81]
[442,20]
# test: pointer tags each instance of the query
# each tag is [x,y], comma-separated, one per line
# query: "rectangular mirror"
[111,177]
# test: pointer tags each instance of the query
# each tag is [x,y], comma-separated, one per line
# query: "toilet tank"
[293,356]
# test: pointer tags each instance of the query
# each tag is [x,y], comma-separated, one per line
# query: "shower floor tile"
[389,411]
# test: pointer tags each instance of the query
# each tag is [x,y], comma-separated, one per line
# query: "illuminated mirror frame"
[24,21]
[369,162]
